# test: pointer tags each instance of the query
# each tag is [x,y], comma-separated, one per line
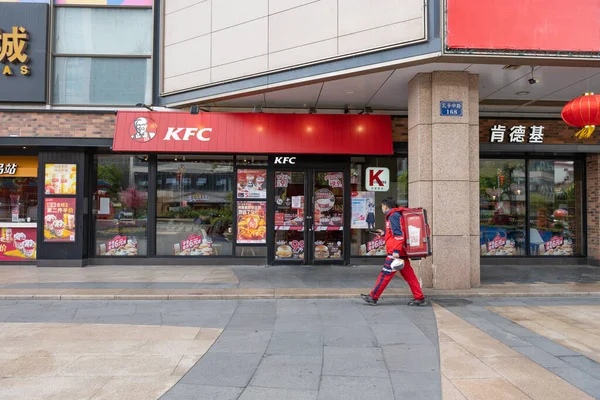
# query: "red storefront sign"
[534,25]
[258,133]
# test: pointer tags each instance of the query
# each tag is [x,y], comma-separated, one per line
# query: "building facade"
[263,132]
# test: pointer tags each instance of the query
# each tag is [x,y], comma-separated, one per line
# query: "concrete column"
[443,175]
[593,208]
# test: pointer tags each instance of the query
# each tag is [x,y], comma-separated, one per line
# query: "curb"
[266,296]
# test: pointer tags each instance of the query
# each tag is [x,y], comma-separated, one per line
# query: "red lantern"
[584,112]
[560,213]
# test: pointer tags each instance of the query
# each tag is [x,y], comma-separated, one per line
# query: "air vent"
[511,67]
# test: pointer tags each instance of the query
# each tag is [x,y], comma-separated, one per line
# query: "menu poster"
[556,246]
[194,245]
[363,210]
[251,222]
[251,183]
[59,219]
[291,249]
[297,202]
[119,246]
[375,247]
[60,179]
[18,244]
[282,179]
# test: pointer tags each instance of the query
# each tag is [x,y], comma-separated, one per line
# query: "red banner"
[257,133]
[535,25]
[18,244]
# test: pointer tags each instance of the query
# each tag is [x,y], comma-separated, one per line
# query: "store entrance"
[310,216]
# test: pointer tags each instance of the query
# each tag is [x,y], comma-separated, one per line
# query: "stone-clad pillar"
[593,208]
[443,175]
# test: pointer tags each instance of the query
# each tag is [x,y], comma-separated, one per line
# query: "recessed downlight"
[522,93]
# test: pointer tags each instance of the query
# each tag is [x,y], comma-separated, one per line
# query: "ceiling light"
[349,91]
[511,67]
[522,93]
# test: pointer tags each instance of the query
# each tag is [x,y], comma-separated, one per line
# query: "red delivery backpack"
[417,233]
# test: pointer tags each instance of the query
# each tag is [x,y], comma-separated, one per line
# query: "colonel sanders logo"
[143,130]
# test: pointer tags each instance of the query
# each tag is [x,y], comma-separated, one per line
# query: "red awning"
[252,133]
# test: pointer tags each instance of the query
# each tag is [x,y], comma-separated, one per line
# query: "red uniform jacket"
[394,236]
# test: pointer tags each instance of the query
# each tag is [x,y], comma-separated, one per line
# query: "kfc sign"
[377,179]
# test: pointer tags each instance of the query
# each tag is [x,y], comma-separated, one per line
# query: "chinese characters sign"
[59,219]
[451,108]
[24,167]
[251,183]
[282,179]
[18,244]
[251,222]
[194,245]
[119,246]
[517,134]
[13,47]
[60,179]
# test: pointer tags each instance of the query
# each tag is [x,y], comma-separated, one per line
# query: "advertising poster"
[291,249]
[119,246]
[375,247]
[251,222]
[60,179]
[324,200]
[499,246]
[363,210]
[282,179]
[59,220]
[251,183]
[18,244]
[335,179]
[556,246]
[194,245]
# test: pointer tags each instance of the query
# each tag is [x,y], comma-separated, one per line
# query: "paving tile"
[261,322]
[449,391]
[288,372]
[136,365]
[298,323]
[42,388]
[411,358]
[135,388]
[296,343]
[583,363]
[242,341]
[387,334]
[489,388]
[184,365]
[257,393]
[579,379]
[352,361]
[223,369]
[427,385]
[176,347]
[348,388]
[184,391]
[34,364]
[552,347]
[540,357]
[458,363]
[342,336]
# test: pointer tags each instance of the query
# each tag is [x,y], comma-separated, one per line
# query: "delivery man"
[396,259]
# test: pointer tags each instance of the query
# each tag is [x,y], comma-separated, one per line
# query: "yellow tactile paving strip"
[96,361]
[575,327]
[476,366]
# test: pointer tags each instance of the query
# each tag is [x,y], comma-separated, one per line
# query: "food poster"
[60,179]
[194,245]
[119,246]
[293,249]
[289,221]
[363,210]
[59,219]
[251,222]
[375,247]
[334,179]
[500,245]
[324,202]
[328,250]
[282,179]
[556,246]
[251,183]
[18,244]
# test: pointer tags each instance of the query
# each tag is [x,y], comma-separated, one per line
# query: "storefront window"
[366,204]
[121,205]
[555,208]
[194,206]
[502,207]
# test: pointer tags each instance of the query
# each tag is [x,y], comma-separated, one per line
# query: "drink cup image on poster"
[251,222]
[18,244]
[251,183]
[363,210]
[59,219]
[60,179]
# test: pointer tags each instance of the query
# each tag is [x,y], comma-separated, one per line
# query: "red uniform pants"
[387,274]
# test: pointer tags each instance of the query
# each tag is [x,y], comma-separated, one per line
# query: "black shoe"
[417,302]
[369,299]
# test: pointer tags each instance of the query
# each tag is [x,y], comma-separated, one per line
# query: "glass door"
[326,235]
[290,217]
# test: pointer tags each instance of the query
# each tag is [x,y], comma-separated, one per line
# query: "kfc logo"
[377,179]
[143,129]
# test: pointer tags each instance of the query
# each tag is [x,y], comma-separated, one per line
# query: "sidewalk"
[256,282]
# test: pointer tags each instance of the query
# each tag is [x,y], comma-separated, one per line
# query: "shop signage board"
[253,133]
[18,167]
[451,108]
[515,27]
[23,52]
[517,134]
[377,179]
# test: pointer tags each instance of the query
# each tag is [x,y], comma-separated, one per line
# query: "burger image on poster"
[321,251]
[284,251]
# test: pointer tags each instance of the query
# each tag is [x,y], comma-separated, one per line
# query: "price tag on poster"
[282,179]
